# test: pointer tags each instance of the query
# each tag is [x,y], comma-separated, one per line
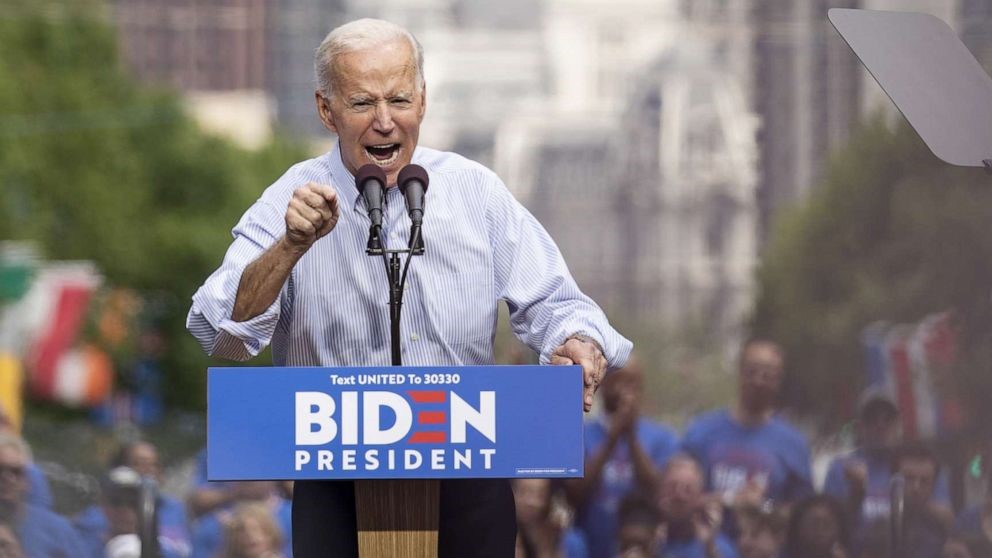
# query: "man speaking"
[297,276]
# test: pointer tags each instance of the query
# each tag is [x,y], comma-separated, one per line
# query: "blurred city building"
[254,57]
[656,140]
[196,45]
[807,94]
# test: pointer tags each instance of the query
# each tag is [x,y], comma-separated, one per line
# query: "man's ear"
[324,111]
[423,102]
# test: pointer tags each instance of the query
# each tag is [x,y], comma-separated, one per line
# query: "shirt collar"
[344,181]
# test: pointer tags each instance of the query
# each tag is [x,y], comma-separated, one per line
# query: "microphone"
[371,183]
[413,182]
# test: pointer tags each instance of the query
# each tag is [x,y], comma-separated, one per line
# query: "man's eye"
[400,101]
[361,104]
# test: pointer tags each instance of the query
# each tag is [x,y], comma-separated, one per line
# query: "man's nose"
[383,122]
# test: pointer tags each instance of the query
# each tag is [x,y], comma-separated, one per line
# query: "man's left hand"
[586,354]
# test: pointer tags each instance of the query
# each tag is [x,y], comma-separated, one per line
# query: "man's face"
[761,369]
[919,475]
[879,428]
[376,108]
[681,490]
[13,476]
[622,388]
[143,458]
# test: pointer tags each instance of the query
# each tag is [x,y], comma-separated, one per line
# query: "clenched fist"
[312,213]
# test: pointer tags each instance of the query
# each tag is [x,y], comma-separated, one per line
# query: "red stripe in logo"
[427,396]
[431,417]
[426,438]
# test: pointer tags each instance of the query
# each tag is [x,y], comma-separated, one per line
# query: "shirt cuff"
[255,333]
[615,347]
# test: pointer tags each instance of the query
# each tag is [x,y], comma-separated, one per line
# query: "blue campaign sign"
[394,422]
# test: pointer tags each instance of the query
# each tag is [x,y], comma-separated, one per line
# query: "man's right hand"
[312,213]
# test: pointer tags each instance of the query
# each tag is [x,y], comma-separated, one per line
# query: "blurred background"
[711,169]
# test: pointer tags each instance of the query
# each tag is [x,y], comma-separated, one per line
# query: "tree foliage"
[95,167]
[891,234]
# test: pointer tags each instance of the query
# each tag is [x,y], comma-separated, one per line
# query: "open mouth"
[383,155]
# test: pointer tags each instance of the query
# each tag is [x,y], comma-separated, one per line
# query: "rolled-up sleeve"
[209,318]
[546,306]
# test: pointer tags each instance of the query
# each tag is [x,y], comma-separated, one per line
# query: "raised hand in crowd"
[856,475]
[706,523]
[751,493]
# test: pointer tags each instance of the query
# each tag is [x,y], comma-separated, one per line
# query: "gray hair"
[358,35]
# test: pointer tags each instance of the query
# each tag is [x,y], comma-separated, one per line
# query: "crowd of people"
[738,483]
[216,520]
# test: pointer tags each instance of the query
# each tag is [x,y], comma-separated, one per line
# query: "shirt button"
[414,337]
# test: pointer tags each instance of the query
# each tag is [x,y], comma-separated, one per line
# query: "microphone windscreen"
[413,172]
[368,171]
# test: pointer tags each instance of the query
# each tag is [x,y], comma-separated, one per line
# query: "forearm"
[644,470]
[581,489]
[263,279]
[204,501]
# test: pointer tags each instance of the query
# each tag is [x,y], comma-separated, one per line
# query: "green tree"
[93,166]
[891,234]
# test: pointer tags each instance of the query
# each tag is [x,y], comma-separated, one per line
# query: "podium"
[397,432]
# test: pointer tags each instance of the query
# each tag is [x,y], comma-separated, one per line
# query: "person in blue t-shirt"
[39,491]
[624,452]
[42,533]
[861,479]
[925,524]
[94,526]
[208,530]
[691,519]
[749,455]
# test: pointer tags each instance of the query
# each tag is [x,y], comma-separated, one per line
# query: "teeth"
[383,162]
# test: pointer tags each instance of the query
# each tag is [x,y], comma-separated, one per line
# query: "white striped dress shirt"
[482,246]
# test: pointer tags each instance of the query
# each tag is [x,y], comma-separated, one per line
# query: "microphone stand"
[897,514]
[396,518]
[391,259]
[148,519]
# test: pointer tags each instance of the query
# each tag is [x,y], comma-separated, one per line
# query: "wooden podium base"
[397,518]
